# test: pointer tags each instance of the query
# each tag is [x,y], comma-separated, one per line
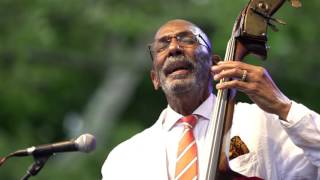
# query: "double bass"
[249,36]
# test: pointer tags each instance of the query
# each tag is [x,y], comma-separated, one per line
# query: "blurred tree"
[68,67]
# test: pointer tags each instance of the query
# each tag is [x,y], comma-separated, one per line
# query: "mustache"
[180,60]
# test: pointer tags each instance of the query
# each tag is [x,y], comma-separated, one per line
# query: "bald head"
[178,25]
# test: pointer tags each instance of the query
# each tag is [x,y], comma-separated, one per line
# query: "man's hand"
[254,81]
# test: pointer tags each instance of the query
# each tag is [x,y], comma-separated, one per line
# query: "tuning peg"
[273,27]
[268,18]
[276,20]
[296,3]
[280,21]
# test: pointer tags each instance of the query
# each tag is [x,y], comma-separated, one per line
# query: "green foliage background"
[57,55]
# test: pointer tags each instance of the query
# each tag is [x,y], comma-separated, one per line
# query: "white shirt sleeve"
[303,128]
[110,167]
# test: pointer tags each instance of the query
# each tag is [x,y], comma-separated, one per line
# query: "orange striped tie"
[187,160]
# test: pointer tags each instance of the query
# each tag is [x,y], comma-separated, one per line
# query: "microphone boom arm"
[36,166]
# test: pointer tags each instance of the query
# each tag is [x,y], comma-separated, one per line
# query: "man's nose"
[174,48]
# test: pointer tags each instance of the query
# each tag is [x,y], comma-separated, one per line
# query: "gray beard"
[192,83]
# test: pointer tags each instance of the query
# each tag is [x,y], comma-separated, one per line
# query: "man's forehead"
[175,27]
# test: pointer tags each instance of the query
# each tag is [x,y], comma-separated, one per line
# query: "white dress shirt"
[173,133]
[278,149]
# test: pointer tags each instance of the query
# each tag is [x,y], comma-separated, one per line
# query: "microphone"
[84,143]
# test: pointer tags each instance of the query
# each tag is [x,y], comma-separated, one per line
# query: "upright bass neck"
[249,36]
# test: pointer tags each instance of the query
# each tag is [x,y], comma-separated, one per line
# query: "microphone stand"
[36,166]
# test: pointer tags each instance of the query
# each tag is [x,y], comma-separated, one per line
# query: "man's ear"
[155,80]
[215,59]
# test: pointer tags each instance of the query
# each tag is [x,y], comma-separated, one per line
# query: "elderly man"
[282,136]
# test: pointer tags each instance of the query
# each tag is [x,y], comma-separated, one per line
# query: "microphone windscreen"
[86,143]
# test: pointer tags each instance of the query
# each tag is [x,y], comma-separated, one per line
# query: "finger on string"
[229,73]
[234,64]
[239,85]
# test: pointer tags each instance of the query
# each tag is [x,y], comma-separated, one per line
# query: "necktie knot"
[189,121]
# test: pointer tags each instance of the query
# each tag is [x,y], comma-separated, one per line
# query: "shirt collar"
[203,111]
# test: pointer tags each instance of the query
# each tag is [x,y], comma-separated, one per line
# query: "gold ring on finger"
[244,75]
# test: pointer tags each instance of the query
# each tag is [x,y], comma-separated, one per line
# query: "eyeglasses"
[184,39]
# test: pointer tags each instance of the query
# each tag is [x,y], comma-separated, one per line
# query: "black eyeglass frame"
[175,36]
